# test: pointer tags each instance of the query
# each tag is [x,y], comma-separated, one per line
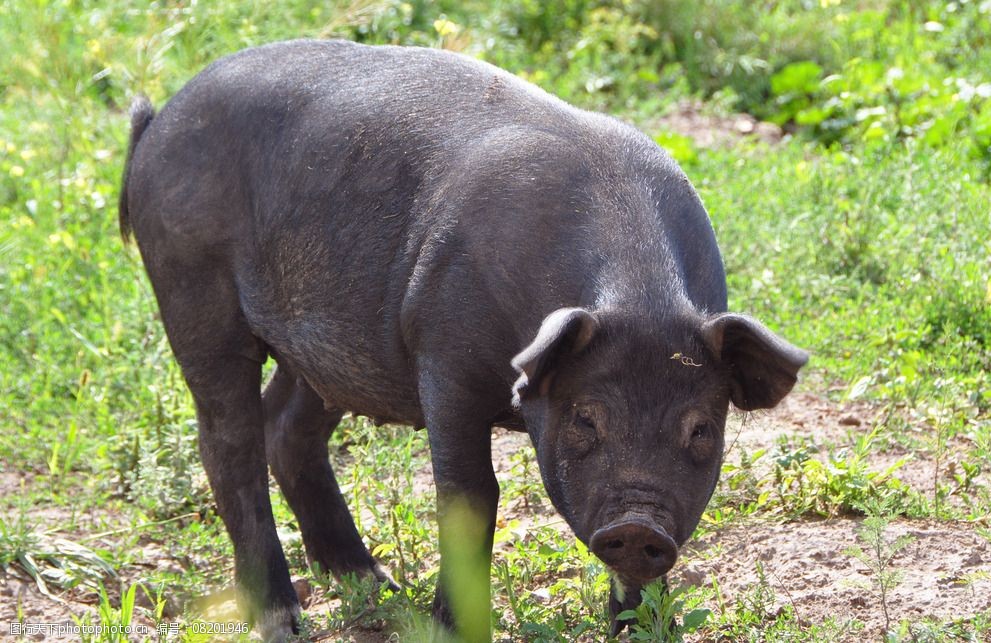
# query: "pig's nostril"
[614,544]
[652,552]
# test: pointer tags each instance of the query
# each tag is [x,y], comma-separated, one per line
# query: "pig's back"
[307,168]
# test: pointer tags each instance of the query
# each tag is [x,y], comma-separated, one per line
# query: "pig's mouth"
[635,547]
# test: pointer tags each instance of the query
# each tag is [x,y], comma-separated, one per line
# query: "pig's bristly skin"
[423,238]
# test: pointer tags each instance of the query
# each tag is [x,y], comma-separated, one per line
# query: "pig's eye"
[581,434]
[583,420]
[700,432]
[702,443]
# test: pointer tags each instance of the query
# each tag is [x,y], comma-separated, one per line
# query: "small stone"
[974,559]
[692,577]
[850,420]
[745,126]
[542,595]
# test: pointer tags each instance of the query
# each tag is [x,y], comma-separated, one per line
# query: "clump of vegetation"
[755,614]
[50,562]
[838,485]
[661,617]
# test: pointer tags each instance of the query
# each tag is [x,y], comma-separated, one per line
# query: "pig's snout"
[635,549]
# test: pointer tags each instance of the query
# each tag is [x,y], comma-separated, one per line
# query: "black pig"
[423,238]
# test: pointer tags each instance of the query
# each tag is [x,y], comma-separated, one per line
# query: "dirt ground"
[708,130]
[945,571]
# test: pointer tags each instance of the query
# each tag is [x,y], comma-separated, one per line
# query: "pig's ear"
[763,366]
[565,331]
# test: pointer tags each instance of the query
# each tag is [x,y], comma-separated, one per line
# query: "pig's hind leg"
[297,427]
[221,361]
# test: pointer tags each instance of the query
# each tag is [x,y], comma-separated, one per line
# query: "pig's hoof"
[443,617]
[615,628]
[383,576]
[278,624]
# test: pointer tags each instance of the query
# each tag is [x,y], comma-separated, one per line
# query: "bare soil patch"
[946,571]
[690,118]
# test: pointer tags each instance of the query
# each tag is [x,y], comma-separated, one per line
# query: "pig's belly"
[345,362]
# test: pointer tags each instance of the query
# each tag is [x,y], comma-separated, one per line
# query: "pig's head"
[627,416]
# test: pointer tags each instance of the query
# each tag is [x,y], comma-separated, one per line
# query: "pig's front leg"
[467,499]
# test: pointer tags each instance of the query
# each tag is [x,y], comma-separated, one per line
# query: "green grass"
[865,238]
